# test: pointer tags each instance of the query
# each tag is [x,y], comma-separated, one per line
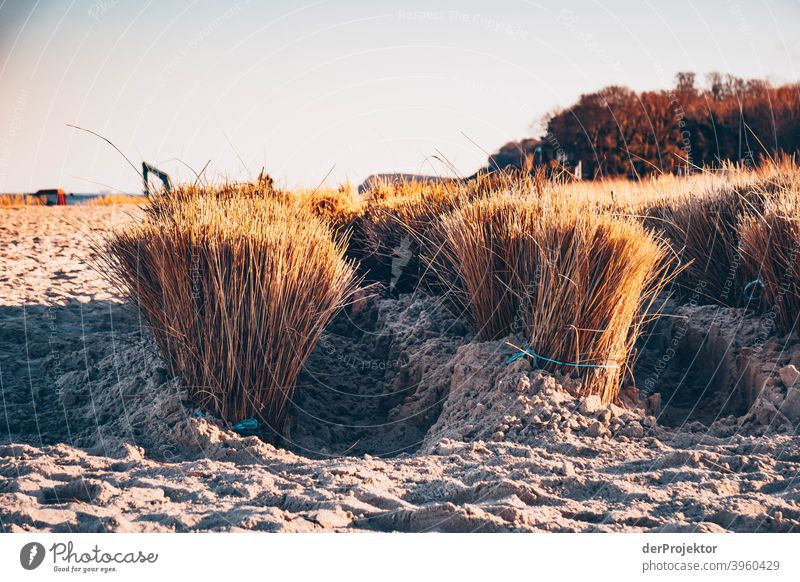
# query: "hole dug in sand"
[401,376]
[721,368]
[375,382]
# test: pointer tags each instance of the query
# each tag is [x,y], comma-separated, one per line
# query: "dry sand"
[400,422]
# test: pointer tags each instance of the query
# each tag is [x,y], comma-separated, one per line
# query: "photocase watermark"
[569,20]
[678,334]
[678,112]
[52,343]
[686,135]
[561,154]
[477,85]
[733,271]
[100,7]
[197,40]
[741,20]
[767,320]
[355,362]
[31,555]
[13,130]
[196,274]
[65,557]
[474,18]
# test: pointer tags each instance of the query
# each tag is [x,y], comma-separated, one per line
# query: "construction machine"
[147,169]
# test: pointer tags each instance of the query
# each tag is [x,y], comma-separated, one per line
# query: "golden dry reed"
[336,207]
[396,218]
[16,200]
[389,229]
[236,291]
[770,244]
[574,283]
[237,282]
[705,232]
[113,199]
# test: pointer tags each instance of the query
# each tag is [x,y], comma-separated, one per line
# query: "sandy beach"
[400,421]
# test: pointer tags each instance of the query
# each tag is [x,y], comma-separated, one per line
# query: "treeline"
[618,132]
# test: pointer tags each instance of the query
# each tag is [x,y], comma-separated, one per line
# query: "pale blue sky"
[364,87]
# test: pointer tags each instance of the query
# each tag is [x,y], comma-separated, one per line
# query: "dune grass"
[396,218]
[576,284]
[18,200]
[113,199]
[238,281]
[236,291]
[388,231]
[705,230]
[336,207]
[770,243]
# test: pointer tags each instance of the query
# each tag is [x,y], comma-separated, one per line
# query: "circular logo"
[31,555]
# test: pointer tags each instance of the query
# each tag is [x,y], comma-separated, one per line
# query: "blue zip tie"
[749,286]
[246,426]
[535,356]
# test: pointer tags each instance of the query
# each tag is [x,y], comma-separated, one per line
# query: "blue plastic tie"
[535,356]
[245,426]
[749,286]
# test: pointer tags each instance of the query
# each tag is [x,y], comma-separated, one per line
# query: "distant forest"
[618,132]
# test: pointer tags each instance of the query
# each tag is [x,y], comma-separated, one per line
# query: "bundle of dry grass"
[395,225]
[113,199]
[337,208]
[236,292]
[388,232]
[771,251]
[574,283]
[17,200]
[701,216]
[168,202]
[704,231]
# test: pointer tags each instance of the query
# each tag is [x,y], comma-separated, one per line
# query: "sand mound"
[490,400]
